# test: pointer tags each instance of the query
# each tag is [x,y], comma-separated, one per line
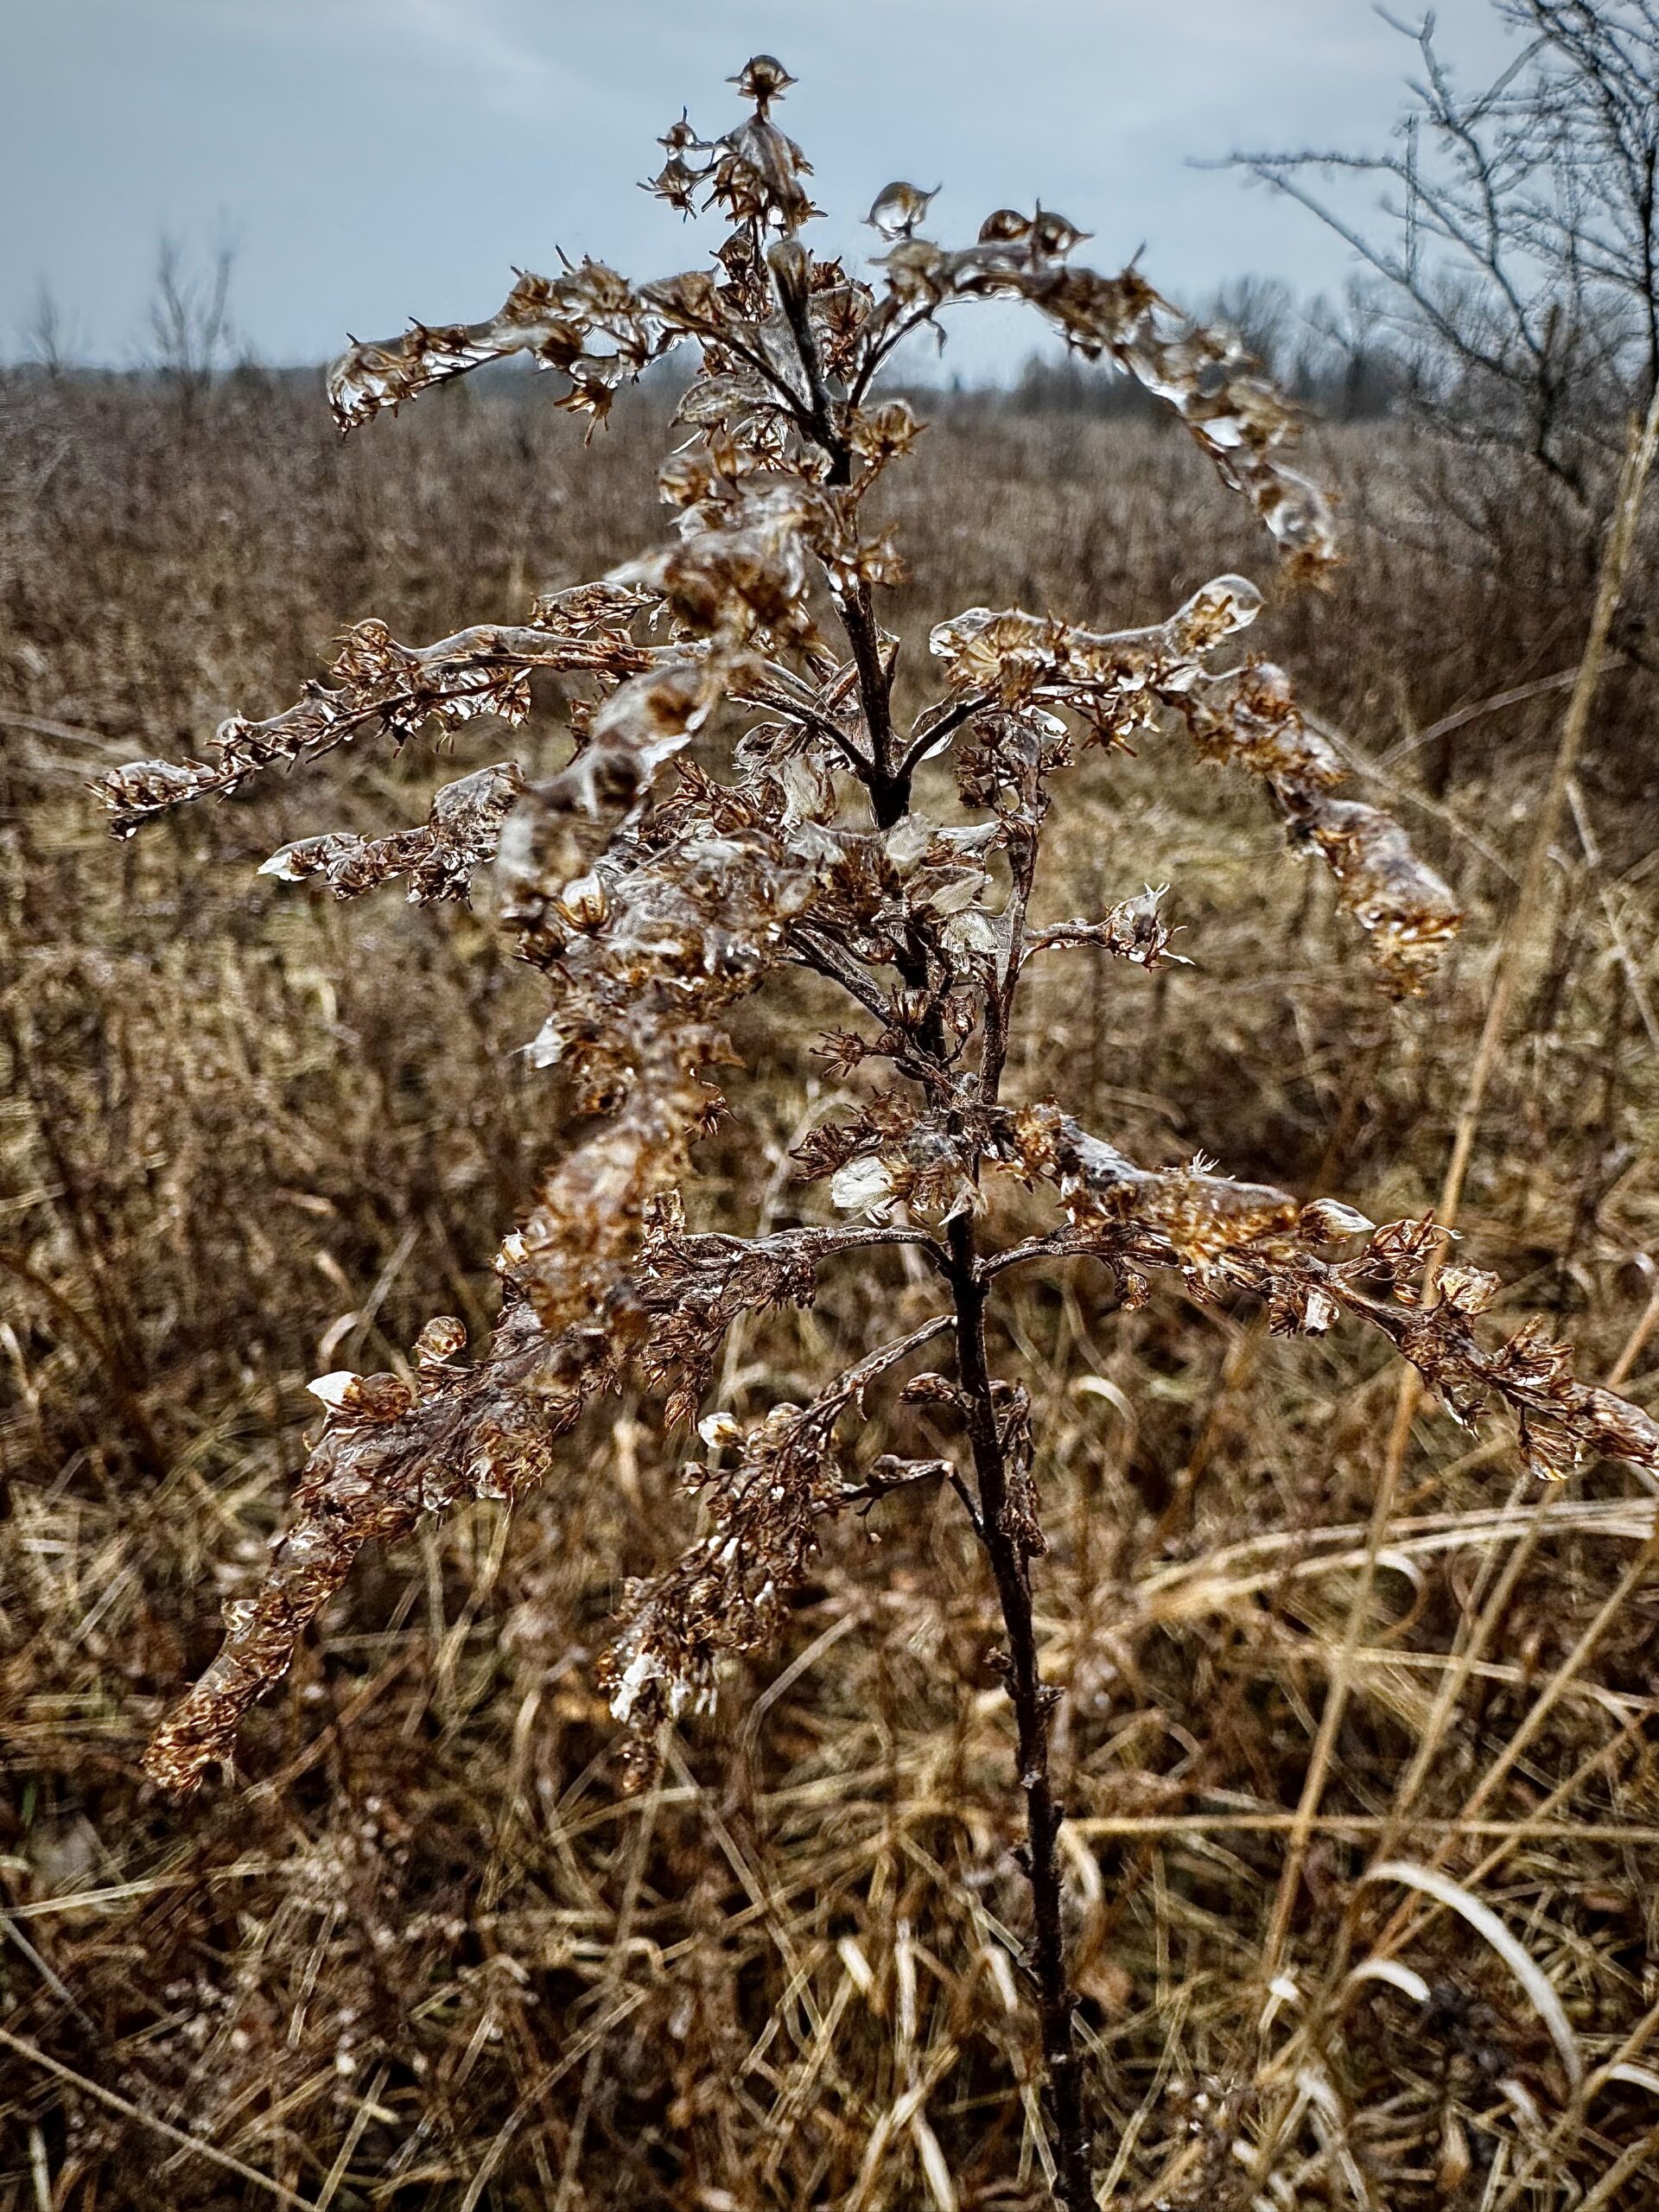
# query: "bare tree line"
[1511,285]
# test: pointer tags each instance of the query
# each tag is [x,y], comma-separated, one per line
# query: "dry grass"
[424,1952]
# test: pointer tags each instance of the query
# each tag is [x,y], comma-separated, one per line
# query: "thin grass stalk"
[1513,951]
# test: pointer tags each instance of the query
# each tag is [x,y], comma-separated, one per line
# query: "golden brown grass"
[425,1953]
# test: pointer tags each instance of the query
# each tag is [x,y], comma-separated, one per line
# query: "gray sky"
[376,159]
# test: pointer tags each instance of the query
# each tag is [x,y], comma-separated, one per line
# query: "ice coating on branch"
[1246,717]
[586,323]
[382,687]
[1135,930]
[1237,419]
[1408,911]
[1197,1214]
[1013,655]
[439,859]
[742,565]
[1229,1237]
[368,1479]
[767,1489]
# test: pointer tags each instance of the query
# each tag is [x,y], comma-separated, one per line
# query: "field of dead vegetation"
[423,1949]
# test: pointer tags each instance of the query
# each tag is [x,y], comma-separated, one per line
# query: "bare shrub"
[1515,267]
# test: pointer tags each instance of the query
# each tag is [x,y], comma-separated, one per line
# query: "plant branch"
[928,736]
[1033,1701]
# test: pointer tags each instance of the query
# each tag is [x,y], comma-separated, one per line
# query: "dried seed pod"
[583,902]
[763,78]
[369,1398]
[1051,236]
[1327,1219]
[899,207]
[441,1342]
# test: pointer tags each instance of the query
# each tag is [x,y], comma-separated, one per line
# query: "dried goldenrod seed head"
[763,78]
[899,207]
[1052,235]
[1004,226]
[368,1398]
[583,902]
[1328,1219]
[441,1341]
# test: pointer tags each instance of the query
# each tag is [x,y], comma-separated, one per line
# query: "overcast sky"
[376,159]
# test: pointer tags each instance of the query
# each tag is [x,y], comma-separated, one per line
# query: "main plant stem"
[1033,1700]
[888,786]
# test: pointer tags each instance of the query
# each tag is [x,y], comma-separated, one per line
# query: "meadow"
[426,1949]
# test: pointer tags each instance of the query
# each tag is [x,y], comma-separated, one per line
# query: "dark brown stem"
[1033,1700]
[999,997]
[802,713]
[889,787]
[818,421]
[930,733]
[887,784]
[814,951]
[887,777]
